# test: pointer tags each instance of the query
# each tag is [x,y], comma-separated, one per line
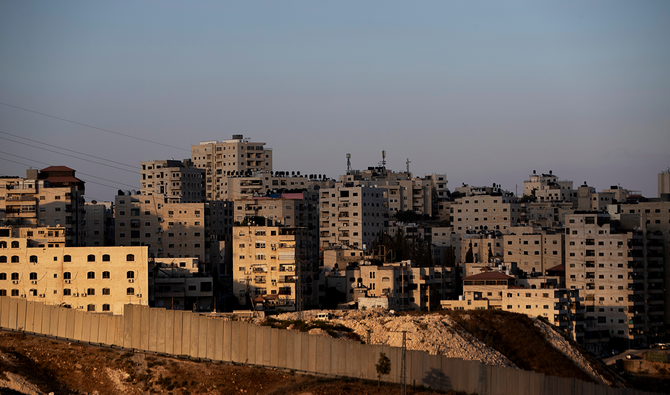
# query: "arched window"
[33,259]
[15,259]
[90,307]
[90,291]
[67,258]
[67,276]
[15,244]
[15,292]
[130,291]
[90,275]
[130,257]
[3,292]
[3,276]
[3,259]
[91,258]
[105,307]
[105,275]
[105,258]
[3,244]
[105,291]
[33,276]
[32,292]
[15,276]
[130,274]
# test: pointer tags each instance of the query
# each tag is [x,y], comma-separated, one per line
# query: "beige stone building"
[664,183]
[173,180]
[533,250]
[545,214]
[481,245]
[269,260]
[548,187]
[485,212]
[406,287]
[608,257]
[227,158]
[98,224]
[100,279]
[352,216]
[51,197]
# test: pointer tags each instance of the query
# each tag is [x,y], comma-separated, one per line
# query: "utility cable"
[93,127]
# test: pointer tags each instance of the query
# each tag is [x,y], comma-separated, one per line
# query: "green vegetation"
[383,367]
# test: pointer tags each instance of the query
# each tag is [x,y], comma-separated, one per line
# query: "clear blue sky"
[483,91]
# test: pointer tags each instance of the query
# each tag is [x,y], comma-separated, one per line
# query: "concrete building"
[486,247]
[174,230]
[485,212]
[173,180]
[177,284]
[270,260]
[664,183]
[100,279]
[98,224]
[548,187]
[406,287]
[352,216]
[264,183]
[533,250]
[223,159]
[608,257]
[51,197]
[545,214]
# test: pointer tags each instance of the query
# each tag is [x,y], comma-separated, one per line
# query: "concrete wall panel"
[94,325]
[78,325]
[227,344]
[244,339]
[38,317]
[54,319]
[161,327]
[290,350]
[128,326]
[305,352]
[68,324]
[136,335]
[235,341]
[186,334]
[21,308]
[169,332]
[145,328]
[218,340]
[267,345]
[4,311]
[210,350]
[178,329]
[152,328]
[311,367]
[30,317]
[258,345]
[201,335]
[13,314]
[103,325]
[251,345]
[86,327]
[276,348]
[320,354]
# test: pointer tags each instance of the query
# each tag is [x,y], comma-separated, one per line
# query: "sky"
[484,92]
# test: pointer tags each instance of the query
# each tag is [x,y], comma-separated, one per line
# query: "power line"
[92,127]
[71,156]
[78,172]
[66,149]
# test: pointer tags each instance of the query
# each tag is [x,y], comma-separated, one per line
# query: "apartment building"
[51,197]
[664,183]
[607,256]
[534,250]
[98,224]
[548,187]
[485,212]
[100,279]
[270,260]
[561,307]
[352,215]
[406,287]
[485,247]
[177,284]
[174,181]
[223,159]
[173,230]
[263,183]
[545,214]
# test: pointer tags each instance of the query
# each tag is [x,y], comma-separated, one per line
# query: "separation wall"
[198,336]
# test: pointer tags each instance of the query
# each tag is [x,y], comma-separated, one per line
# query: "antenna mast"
[348,163]
[407,163]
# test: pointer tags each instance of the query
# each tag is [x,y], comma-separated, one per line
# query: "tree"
[383,367]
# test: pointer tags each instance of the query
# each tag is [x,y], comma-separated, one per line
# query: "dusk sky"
[485,92]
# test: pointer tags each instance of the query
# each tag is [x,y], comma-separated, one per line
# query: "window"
[15,276]
[3,259]
[67,276]
[3,276]
[91,258]
[130,274]
[105,291]
[67,292]
[130,291]
[105,307]
[105,258]
[33,259]
[105,275]
[90,307]
[90,275]
[130,257]
[33,276]
[15,259]
[90,291]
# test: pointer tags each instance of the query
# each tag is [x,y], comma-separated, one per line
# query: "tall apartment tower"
[610,258]
[228,158]
[173,180]
[352,216]
[51,197]
[664,183]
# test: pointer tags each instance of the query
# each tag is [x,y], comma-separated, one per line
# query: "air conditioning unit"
[23,295]
[15,281]
[83,295]
[75,294]
[68,281]
[131,280]
[139,295]
[33,282]
[42,295]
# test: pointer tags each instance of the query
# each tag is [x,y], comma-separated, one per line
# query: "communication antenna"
[383,158]
[348,163]
[407,163]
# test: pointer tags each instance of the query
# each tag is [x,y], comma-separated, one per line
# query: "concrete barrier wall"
[198,336]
